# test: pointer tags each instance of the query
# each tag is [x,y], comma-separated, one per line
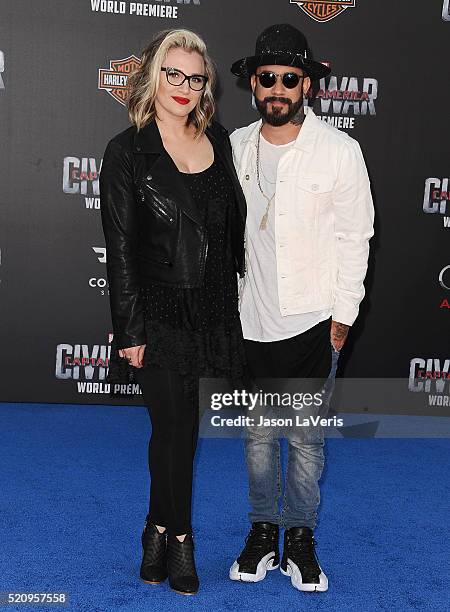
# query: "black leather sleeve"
[120,227]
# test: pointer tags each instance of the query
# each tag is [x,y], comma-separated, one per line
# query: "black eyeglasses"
[176,77]
[268,79]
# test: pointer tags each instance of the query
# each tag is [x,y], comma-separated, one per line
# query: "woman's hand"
[134,354]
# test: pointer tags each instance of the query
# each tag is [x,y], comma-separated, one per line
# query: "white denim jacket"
[323,217]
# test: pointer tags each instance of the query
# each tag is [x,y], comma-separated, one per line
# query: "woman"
[173,216]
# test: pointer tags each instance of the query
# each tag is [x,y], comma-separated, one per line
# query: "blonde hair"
[143,83]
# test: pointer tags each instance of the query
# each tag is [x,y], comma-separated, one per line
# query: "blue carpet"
[74,495]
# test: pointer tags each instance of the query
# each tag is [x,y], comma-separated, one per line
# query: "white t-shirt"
[260,309]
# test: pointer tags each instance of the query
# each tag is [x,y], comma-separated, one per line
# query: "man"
[310,218]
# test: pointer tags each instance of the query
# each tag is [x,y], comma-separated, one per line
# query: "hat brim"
[246,66]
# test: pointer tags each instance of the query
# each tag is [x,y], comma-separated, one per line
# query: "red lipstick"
[181,100]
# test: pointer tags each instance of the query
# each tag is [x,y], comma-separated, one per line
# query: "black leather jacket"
[152,227]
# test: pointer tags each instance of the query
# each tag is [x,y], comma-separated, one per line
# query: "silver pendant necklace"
[264,220]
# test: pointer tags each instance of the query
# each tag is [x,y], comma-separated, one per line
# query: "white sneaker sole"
[296,579]
[266,564]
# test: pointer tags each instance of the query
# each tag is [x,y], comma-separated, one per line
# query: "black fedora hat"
[282,45]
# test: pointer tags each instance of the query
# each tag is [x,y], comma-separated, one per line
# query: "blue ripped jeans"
[305,464]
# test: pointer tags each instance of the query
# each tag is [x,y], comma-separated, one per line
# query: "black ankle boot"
[181,565]
[154,560]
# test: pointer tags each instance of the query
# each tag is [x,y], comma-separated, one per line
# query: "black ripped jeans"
[171,448]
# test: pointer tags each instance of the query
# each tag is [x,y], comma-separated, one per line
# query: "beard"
[277,117]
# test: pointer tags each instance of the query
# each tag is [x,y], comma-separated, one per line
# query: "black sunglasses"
[268,79]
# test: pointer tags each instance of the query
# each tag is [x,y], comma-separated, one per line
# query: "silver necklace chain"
[264,220]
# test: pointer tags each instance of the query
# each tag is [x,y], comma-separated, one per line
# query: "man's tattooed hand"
[339,332]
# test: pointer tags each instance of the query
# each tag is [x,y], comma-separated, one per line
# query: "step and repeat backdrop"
[64,66]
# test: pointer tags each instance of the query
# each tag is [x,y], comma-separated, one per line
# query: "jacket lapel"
[165,173]
[163,170]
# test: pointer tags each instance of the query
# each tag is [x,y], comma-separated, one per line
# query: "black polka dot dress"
[197,331]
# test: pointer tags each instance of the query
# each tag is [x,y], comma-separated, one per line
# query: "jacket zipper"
[203,262]
[163,214]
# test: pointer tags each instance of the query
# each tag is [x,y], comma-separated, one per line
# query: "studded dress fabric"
[197,331]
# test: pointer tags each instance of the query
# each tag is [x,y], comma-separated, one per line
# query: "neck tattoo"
[299,118]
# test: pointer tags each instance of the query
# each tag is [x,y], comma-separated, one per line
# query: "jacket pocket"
[161,206]
[314,193]
[315,184]
[154,258]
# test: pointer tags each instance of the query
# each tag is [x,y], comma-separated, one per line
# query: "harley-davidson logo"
[114,80]
[324,10]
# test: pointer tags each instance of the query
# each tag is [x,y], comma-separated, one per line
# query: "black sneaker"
[154,560]
[300,560]
[260,554]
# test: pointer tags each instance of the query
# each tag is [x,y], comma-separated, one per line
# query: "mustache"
[277,99]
